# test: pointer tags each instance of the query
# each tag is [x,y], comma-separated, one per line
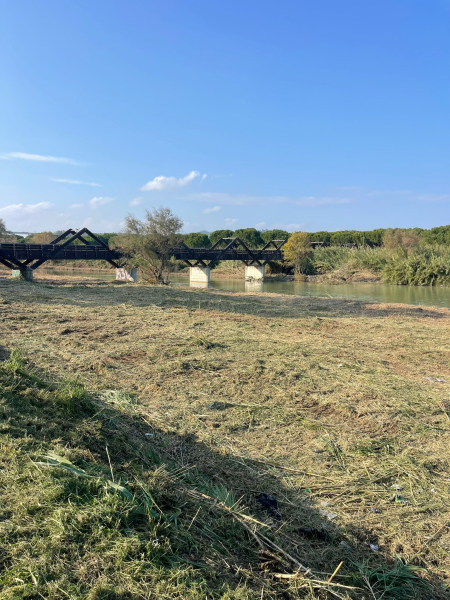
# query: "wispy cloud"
[213,209]
[162,183]
[243,199]
[76,205]
[24,210]
[231,221]
[39,158]
[136,201]
[75,182]
[99,201]
[260,226]
[204,176]
[434,197]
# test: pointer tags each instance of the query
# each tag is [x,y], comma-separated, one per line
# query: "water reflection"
[254,286]
[199,284]
[370,292]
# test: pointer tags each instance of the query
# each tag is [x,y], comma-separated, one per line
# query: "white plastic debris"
[329,515]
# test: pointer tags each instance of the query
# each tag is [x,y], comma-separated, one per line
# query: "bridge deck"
[45,251]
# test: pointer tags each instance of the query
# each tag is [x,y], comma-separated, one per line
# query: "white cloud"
[99,201]
[204,176]
[24,210]
[76,205]
[102,225]
[162,183]
[231,221]
[213,209]
[39,158]
[136,201]
[243,199]
[261,225]
[291,227]
[74,182]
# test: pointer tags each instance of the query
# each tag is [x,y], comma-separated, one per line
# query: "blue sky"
[305,114]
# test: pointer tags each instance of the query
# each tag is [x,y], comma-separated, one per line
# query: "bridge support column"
[255,272]
[199,276]
[124,275]
[24,274]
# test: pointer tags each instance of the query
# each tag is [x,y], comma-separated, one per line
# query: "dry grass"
[324,403]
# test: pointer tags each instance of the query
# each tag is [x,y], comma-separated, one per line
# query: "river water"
[427,296]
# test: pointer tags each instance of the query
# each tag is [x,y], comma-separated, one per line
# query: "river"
[427,296]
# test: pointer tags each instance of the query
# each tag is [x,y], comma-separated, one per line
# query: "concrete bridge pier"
[255,272]
[24,274]
[199,276]
[124,275]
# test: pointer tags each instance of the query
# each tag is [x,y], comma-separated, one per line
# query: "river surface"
[427,296]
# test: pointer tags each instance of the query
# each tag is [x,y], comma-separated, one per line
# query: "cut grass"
[321,402]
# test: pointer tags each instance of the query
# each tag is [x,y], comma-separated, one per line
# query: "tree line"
[373,238]
[256,239]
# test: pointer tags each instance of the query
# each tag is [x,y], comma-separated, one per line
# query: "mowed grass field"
[202,400]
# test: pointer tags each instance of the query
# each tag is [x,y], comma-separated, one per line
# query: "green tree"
[5,235]
[45,237]
[297,250]
[437,235]
[250,236]
[321,236]
[148,243]
[220,233]
[403,239]
[274,234]
[197,240]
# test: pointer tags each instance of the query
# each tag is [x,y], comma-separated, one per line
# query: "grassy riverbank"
[197,401]
[426,265]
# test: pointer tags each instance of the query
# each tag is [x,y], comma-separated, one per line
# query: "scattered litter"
[433,491]
[315,534]
[375,510]
[329,515]
[270,504]
[308,491]
[398,499]
[340,365]
[324,503]
[397,487]
[150,434]
[212,405]
[436,379]
[346,546]
[374,547]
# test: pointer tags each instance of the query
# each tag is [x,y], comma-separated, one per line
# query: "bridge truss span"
[229,249]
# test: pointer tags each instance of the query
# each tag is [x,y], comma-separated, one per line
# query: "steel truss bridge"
[229,249]
[31,256]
